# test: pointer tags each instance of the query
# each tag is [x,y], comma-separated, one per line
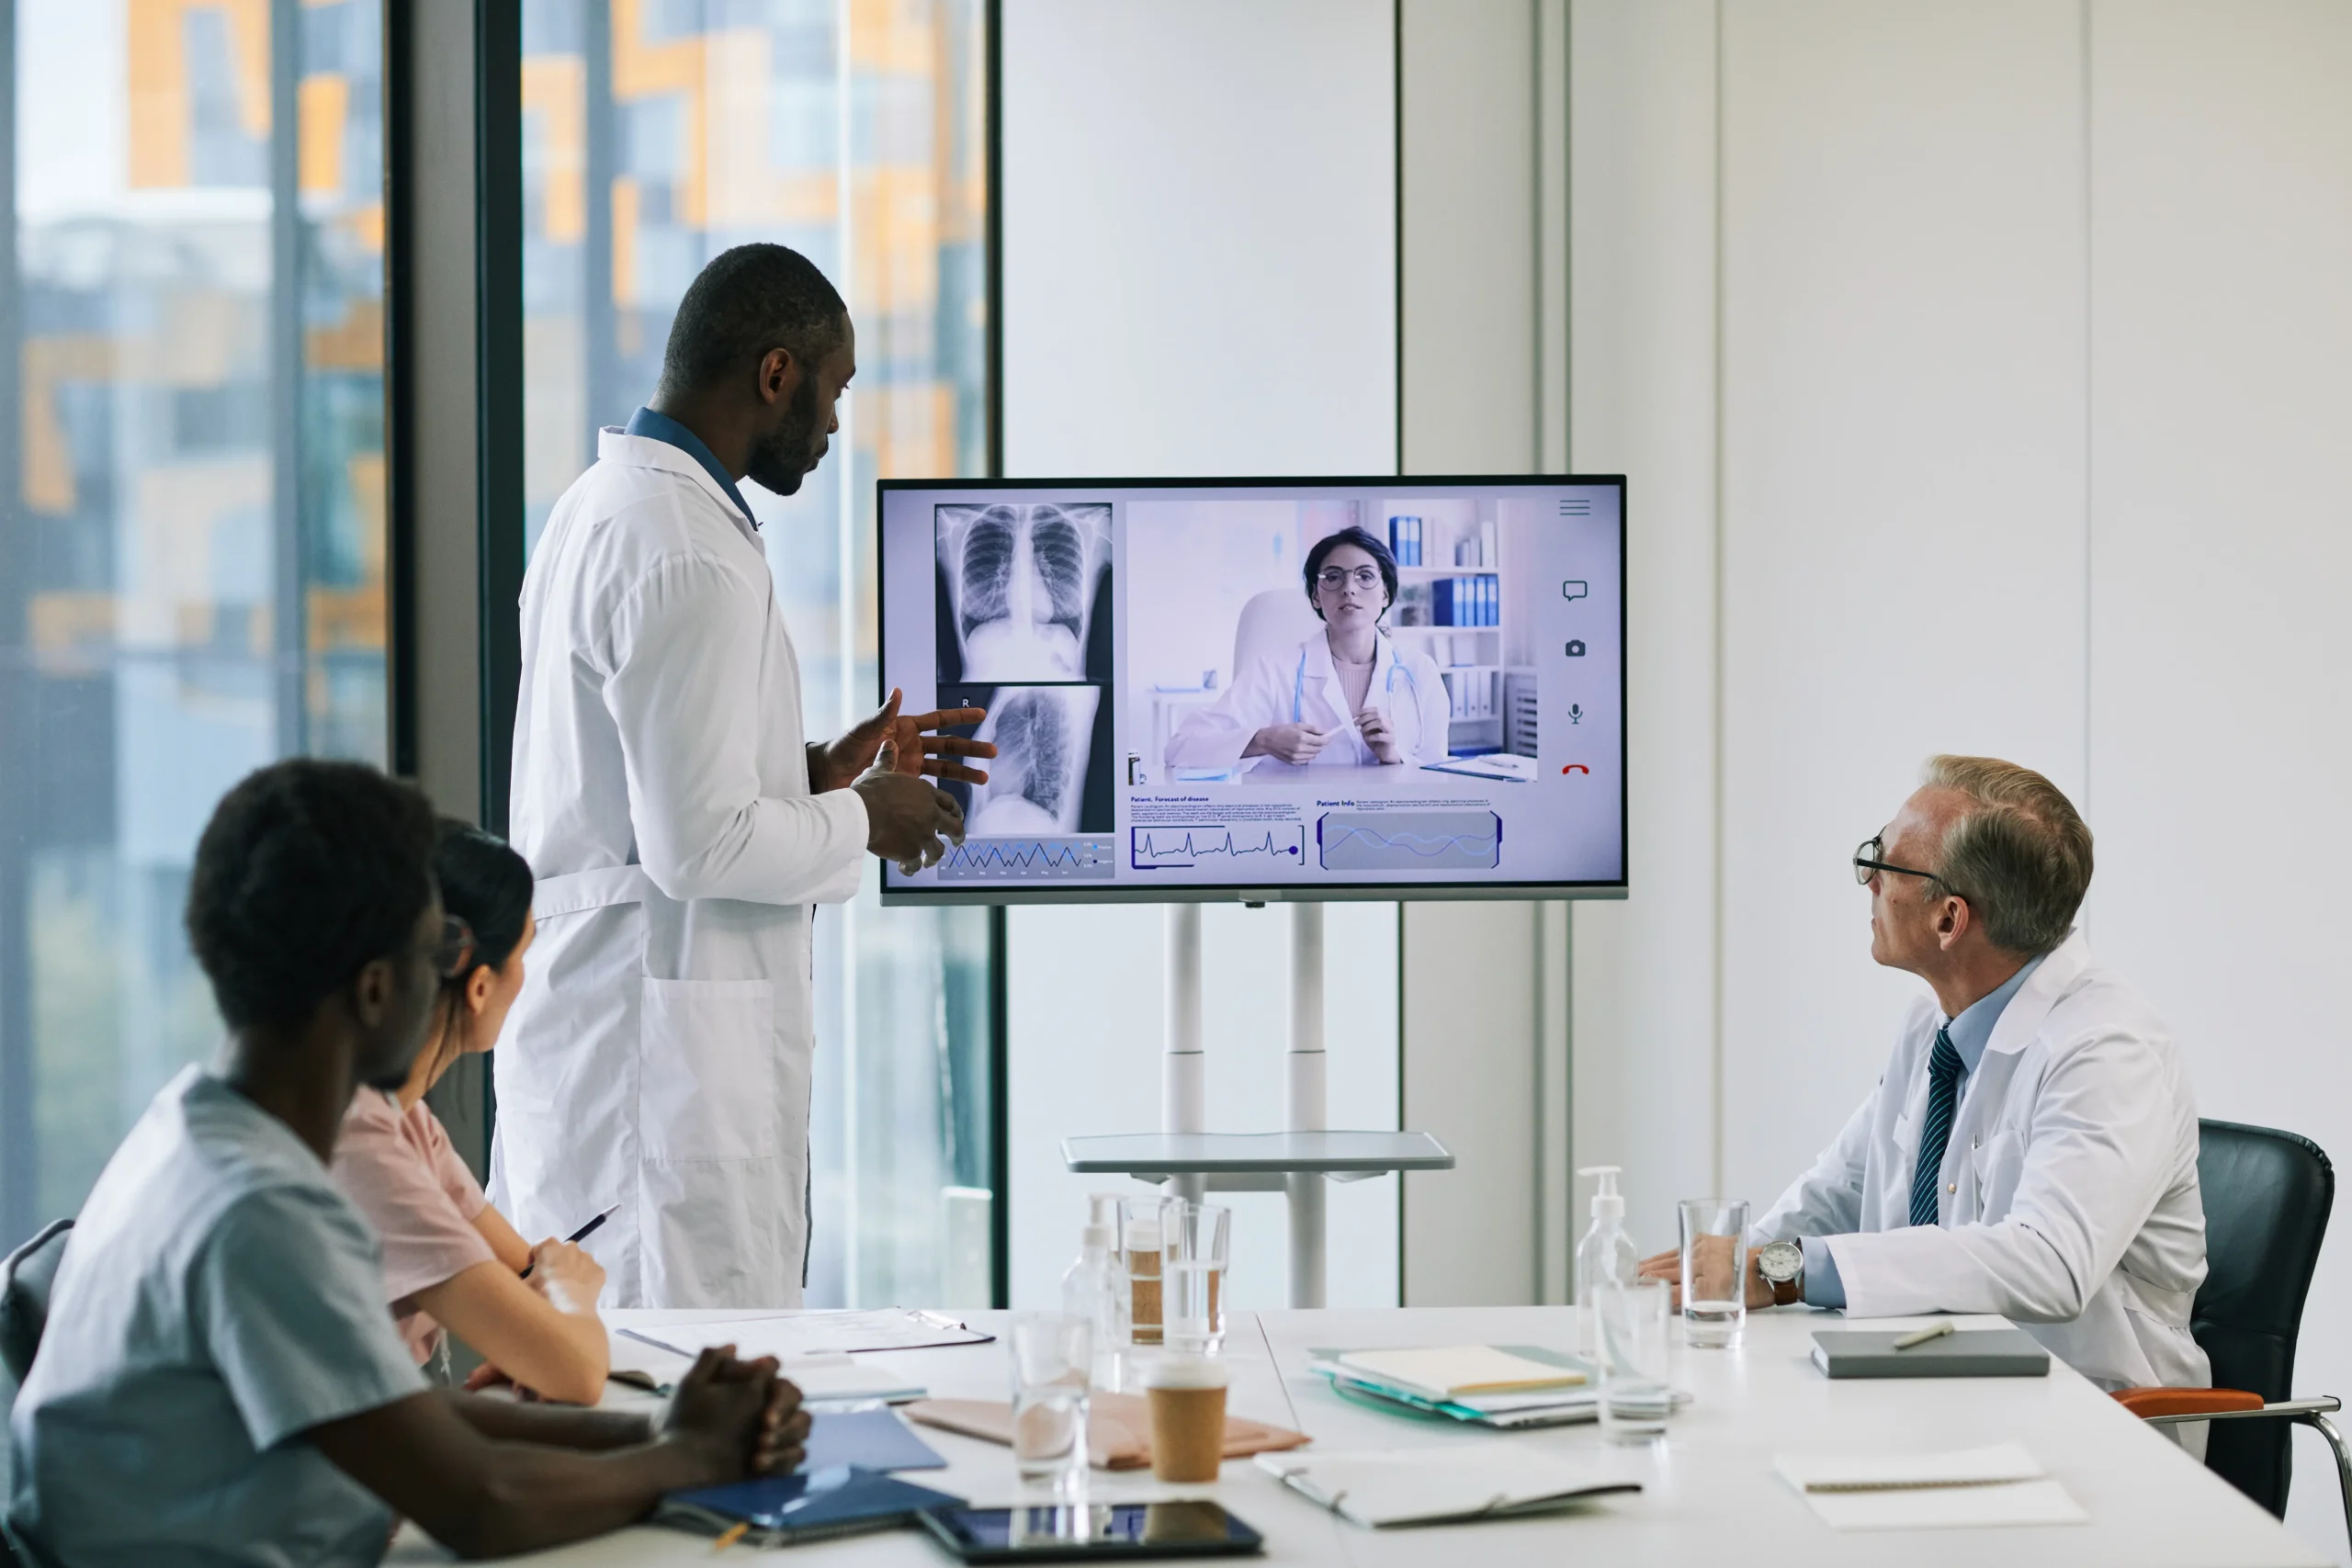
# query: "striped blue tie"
[1935,1133]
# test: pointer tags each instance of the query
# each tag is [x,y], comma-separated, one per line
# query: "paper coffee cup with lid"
[1187,1396]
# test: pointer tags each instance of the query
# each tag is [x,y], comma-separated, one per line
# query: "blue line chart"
[1409,840]
[1093,859]
[1183,846]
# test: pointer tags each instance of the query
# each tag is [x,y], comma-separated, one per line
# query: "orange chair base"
[2146,1402]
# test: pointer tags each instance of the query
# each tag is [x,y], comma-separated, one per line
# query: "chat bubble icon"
[1573,589]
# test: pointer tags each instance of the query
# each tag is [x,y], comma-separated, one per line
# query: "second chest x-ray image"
[1024,593]
[1052,773]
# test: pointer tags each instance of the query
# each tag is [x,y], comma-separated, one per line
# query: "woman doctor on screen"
[1347,696]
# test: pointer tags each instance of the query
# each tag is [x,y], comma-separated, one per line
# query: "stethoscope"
[1396,667]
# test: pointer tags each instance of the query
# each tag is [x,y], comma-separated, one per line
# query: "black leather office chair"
[25,1278]
[2267,1198]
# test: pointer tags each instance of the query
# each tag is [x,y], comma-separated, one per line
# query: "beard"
[785,457]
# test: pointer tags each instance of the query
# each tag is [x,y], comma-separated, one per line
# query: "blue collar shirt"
[660,427]
[1970,1032]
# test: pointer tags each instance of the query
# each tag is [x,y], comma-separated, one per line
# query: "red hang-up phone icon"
[1577,768]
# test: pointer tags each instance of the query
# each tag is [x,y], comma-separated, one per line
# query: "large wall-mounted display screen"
[1276,689]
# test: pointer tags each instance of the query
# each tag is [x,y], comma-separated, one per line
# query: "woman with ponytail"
[451,1261]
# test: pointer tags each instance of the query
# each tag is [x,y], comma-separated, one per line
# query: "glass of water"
[1193,1293]
[1630,1346]
[1714,1270]
[1050,1355]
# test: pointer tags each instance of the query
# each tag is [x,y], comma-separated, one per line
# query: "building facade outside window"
[192,534]
[656,133]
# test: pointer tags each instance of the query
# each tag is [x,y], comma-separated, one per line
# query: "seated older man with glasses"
[2031,1148]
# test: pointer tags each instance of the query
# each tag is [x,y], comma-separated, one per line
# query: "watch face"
[1779,1262]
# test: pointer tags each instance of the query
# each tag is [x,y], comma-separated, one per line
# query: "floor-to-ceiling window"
[191,507]
[656,133]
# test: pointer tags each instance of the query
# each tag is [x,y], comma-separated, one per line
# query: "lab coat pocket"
[707,1085]
[1993,1167]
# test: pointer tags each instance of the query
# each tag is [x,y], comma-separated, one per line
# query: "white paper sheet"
[1999,1484]
[791,1336]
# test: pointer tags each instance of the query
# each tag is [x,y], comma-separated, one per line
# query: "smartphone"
[1087,1533]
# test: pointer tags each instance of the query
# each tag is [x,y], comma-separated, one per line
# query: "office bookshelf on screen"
[1182,713]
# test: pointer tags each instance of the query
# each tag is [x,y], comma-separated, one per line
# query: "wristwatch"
[1781,1263]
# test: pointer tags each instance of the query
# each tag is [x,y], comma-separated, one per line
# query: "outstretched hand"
[900,743]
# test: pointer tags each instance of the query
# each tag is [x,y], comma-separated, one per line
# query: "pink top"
[400,1168]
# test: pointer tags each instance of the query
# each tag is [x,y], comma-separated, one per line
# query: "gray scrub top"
[219,1297]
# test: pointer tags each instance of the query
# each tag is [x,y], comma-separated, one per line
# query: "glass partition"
[192,536]
[656,133]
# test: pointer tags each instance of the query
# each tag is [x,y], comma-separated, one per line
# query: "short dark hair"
[485,883]
[309,872]
[747,301]
[1369,543]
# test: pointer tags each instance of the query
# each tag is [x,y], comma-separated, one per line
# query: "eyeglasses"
[1334,578]
[1867,864]
[454,953]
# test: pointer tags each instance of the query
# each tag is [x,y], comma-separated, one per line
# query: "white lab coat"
[1302,687]
[2068,1189]
[658,1054]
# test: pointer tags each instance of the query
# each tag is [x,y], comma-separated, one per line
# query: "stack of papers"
[2001,1485]
[1428,1486]
[1505,1387]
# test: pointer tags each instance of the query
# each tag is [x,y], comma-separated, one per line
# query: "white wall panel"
[1199,211]
[2221,720]
[1642,341]
[1902,481]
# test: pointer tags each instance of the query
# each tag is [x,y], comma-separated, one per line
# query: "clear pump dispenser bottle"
[1606,1255]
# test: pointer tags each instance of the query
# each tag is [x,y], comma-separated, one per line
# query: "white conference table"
[1709,1490]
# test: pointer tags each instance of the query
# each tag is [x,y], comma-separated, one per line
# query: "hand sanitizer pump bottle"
[1606,1255]
[1095,1289]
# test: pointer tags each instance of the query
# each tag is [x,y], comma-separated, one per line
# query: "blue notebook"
[809,1505]
[869,1439]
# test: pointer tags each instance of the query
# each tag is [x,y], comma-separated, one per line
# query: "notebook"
[2001,1485]
[1968,1353]
[1456,1371]
[1428,1487]
[810,1505]
[1118,1429]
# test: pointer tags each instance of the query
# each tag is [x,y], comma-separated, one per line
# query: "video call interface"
[1179,709]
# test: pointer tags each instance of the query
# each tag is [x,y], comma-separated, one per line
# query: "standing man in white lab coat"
[2032,1148]
[657,1061]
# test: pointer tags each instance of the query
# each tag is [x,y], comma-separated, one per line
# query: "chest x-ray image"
[1024,592]
[1052,773]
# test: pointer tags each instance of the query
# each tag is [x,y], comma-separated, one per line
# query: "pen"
[582,1233]
[1920,1337]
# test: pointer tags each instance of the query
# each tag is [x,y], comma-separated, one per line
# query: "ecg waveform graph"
[1092,857]
[1410,841]
[1183,847]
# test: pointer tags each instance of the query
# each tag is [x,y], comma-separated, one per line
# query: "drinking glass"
[1714,1271]
[1630,1347]
[1193,1253]
[1050,1355]
[1143,1227]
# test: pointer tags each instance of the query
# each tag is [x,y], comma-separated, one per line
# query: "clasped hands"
[1713,1261]
[885,759]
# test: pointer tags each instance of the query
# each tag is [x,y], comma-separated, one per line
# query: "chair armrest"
[2145,1402]
[2171,1406]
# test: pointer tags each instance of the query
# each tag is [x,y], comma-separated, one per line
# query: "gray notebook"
[1968,1353]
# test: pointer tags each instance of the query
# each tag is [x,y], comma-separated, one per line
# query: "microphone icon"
[1576,713]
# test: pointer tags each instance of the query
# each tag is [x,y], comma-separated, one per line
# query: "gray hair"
[2021,853]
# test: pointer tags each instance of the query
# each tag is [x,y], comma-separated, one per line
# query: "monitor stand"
[1195,1161]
